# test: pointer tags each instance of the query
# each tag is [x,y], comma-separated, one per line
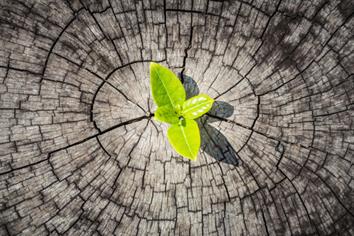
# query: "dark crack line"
[74,197]
[187,49]
[243,126]
[302,202]
[69,5]
[229,89]
[265,29]
[247,168]
[166,31]
[115,17]
[281,203]
[215,43]
[115,185]
[102,31]
[256,131]
[104,80]
[140,34]
[260,188]
[254,7]
[276,208]
[124,95]
[35,13]
[233,31]
[131,63]
[218,161]
[8,67]
[55,42]
[332,191]
[280,149]
[79,142]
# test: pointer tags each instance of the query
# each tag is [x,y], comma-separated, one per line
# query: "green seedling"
[173,108]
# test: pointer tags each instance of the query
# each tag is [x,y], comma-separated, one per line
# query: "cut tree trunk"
[80,151]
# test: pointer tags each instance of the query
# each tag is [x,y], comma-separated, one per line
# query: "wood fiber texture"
[80,152]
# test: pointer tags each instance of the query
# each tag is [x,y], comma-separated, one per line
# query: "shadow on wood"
[189,85]
[214,142]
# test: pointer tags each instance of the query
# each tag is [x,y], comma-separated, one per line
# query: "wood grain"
[80,151]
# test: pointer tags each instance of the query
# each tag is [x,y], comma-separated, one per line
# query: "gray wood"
[80,152]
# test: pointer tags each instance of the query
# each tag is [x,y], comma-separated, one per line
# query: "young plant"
[173,108]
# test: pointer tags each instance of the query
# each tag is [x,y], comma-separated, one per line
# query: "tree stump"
[81,153]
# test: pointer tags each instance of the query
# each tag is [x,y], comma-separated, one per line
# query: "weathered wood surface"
[80,153]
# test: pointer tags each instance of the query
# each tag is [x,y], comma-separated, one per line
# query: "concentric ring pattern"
[80,152]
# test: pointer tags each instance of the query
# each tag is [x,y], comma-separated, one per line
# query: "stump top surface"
[80,152]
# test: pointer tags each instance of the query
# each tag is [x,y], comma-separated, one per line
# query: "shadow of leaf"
[216,144]
[213,142]
[190,86]
[221,109]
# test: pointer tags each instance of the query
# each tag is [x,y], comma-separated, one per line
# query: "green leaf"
[165,114]
[167,89]
[185,138]
[197,106]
